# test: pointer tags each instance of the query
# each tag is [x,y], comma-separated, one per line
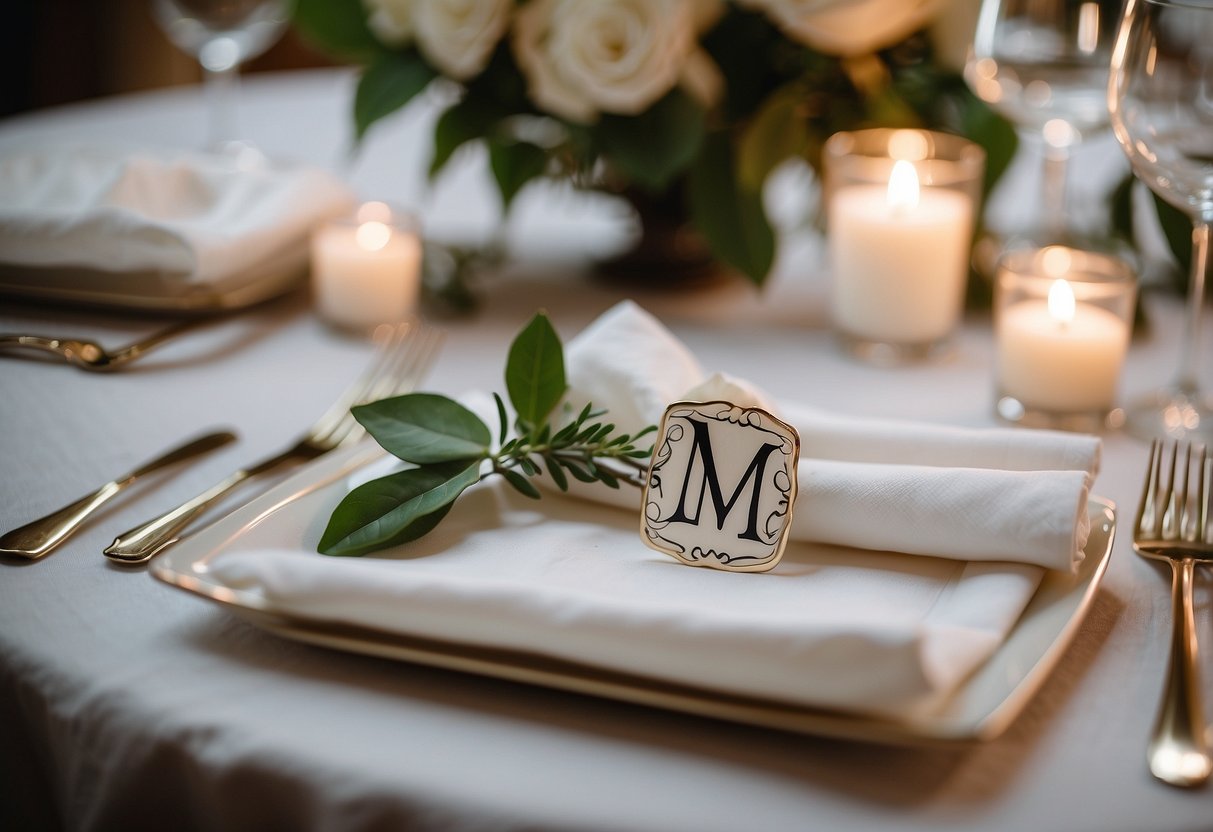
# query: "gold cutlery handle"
[55,346]
[33,540]
[143,542]
[36,539]
[1177,751]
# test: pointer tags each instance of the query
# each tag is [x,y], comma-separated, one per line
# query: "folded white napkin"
[190,217]
[842,628]
[853,629]
[970,494]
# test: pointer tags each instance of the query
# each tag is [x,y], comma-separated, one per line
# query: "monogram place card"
[721,486]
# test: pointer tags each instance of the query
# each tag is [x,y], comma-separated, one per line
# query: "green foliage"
[338,28]
[424,428]
[534,372]
[728,214]
[1177,228]
[392,80]
[776,133]
[653,148]
[397,508]
[514,164]
[464,121]
[1175,224]
[450,447]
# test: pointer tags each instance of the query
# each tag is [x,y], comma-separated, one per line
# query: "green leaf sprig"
[450,449]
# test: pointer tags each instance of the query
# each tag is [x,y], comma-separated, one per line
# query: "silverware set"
[1173,526]
[401,364]
[405,355]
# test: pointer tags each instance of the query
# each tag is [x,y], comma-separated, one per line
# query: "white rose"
[390,21]
[458,36]
[848,27]
[583,57]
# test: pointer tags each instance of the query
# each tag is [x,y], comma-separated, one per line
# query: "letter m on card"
[721,486]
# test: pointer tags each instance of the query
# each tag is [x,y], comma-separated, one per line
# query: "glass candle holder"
[366,267]
[901,207]
[1062,320]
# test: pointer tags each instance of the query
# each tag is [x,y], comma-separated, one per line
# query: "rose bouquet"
[685,104]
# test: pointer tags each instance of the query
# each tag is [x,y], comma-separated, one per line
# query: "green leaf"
[557,475]
[534,371]
[1177,228]
[521,483]
[392,80]
[514,164]
[653,148]
[338,29]
[395,509]
[466,120]
[1120,205]
[578,471]
[776,132]
[994,133]
[503,420]
[425,428]
[730,217]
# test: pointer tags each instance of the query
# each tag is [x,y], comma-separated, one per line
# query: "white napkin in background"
[996,495]
[190,217]
[852,629]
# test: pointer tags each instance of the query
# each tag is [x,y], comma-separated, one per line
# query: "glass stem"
[1053,189]
[1189,362]
[222,87]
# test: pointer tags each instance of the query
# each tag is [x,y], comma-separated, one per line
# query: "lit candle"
[900,258]
[1062,354]
[366,270]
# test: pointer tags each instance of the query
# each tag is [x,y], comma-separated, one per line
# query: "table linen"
[132,706]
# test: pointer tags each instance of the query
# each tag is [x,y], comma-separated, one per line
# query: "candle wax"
[1068,367]
[360,287]
[899,272]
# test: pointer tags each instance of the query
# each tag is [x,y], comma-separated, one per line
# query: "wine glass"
[1160,97]
[1043,64]
[222,35]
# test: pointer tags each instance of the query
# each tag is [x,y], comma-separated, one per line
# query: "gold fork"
[401,364]
[1173,526]
[89,355]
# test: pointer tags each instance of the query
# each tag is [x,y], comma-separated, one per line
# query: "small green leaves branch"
[450,449]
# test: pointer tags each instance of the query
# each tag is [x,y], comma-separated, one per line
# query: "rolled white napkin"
[970,494]
[188,217]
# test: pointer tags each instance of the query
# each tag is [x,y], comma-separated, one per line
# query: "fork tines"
[1175,500]
[405,352]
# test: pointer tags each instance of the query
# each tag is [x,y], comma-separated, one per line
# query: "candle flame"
[372,236]
[903,186]
[1061,301]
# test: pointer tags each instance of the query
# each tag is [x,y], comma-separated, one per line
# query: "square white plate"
[985,704]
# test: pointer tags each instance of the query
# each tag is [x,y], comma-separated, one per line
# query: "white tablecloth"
[128,705]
